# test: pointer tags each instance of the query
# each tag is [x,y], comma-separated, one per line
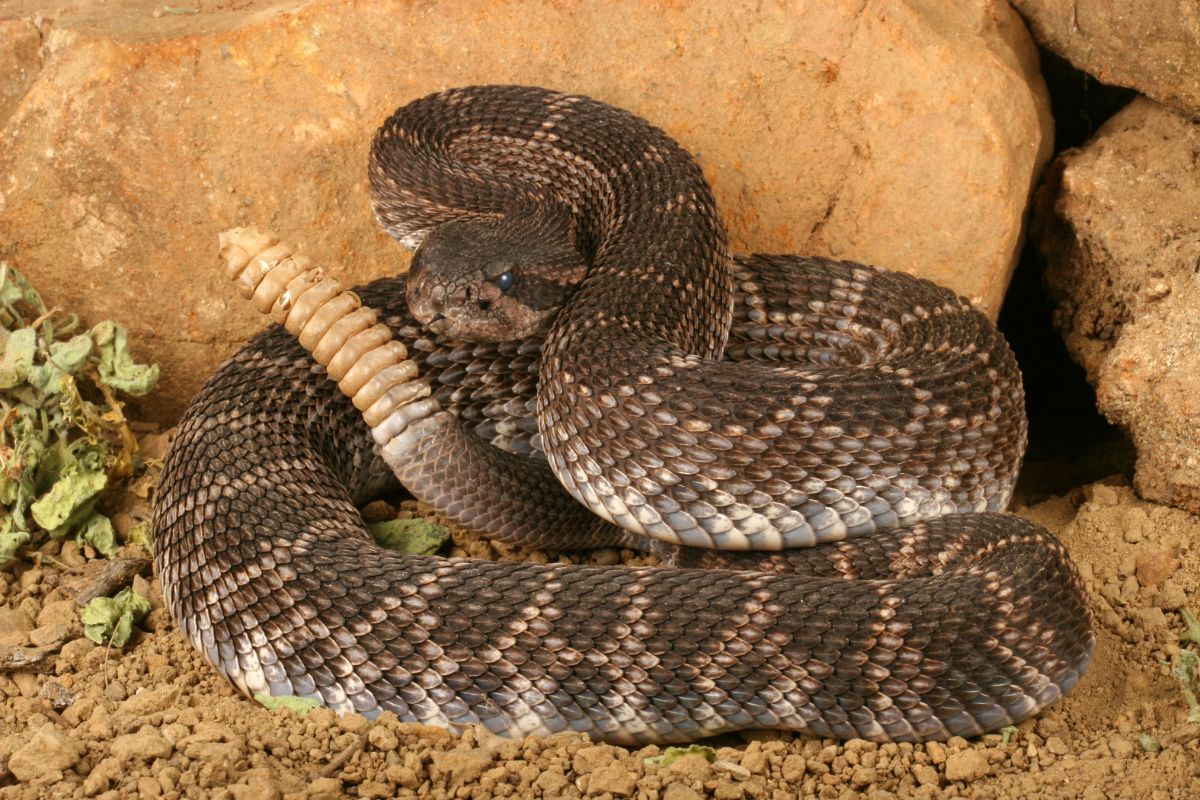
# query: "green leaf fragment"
[98,532]
[416,536]
[110,620]
[1149,743]
[19,351]
[139,534]
[297,705]
[1186,668]
[673,754]
[10,543]
[1006,734]
[117,368]
[74,488]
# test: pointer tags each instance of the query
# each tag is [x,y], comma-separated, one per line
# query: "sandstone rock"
[49,751]
[1149,45]
[1119,224]
[907,133]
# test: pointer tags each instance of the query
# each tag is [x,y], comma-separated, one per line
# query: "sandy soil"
[153,720]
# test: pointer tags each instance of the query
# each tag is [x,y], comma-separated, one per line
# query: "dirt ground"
[153,720]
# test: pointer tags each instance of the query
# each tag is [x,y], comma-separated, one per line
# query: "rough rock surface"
[1119,223]
[1149,45]
[903,133]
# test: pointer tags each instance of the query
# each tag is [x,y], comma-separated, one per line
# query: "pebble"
[115,691]
[1154,565]
[15,626]
[48,635]
[613,779]
[383,739]
[966,766]
[1120,746]
[460,767]
[146,745]
[551,782]
[148,701]
[50,750]
[925,775]
[680,791]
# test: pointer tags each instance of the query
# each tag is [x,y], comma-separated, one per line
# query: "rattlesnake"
[891,430]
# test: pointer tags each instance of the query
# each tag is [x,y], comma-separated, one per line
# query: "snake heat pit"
[572,318]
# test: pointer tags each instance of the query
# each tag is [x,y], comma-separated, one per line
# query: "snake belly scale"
[687,398]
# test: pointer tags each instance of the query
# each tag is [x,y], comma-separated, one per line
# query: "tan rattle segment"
[343,335]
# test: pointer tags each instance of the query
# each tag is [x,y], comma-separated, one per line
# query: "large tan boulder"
[1149,45]
[907,133]
[1119,223]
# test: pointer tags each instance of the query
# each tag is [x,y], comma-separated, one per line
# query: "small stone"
[148,701]
[606,556]
[614,779]
[459,767]
[354,723]
[373,789]
[31,577]
[680,791]
[115,691]
[925,775]
[1119,746]
[49,751]
[145,745]
[383,739]
[49,635]
[592,758]
[936,752]
[148,786]
[15,626]
[551,782]
[966,765]
[324,787]
[1056,745]
[1152,619]
[1155,565]
[260,788]
[794,767]
[59,696]
[728,790]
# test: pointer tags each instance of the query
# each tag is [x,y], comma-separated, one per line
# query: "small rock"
[145,745]
[383,739]
[60,697]
[794,767]
[59,612]
[614,779]
[115,691]
[680,791]
[593,757]
[1155,565]
[551,782]
[353,723]
[148,786]
[925,775]
[266,789]
[459,767]
[49,635]
[966,766]
[148,701]
[727,790]
[1120,746]
[324,787]
[49,751]
[936,752]
[372,789]
[1152,619]
[1056,745]
[15,626]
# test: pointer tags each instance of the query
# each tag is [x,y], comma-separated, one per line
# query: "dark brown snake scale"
[754,404]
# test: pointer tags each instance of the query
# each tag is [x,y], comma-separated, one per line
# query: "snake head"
[491,279]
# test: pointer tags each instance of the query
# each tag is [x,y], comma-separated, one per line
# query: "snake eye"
[505,281]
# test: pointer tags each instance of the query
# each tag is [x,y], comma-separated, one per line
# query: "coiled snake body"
[749,404]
